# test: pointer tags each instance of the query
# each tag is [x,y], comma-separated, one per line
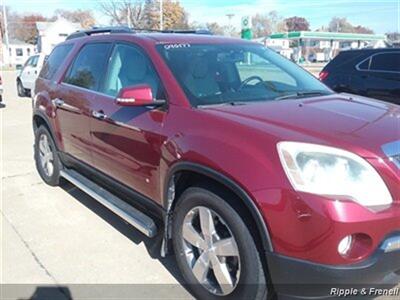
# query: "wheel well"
[186,179]
[39,121]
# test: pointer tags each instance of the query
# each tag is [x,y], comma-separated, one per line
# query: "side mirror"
[137,95]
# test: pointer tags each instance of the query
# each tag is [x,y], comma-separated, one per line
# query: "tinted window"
[54,61]
[129,66]
[34,61]
[215,74]
[386,62]
[19,52]
[364,65]
[89,66]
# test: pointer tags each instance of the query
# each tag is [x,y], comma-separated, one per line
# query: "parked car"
[259,178]
[372,73]
[27,75]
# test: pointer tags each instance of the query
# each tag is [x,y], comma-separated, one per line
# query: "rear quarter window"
[55,60]
[386,62]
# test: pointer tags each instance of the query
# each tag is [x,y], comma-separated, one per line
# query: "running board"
[130,214]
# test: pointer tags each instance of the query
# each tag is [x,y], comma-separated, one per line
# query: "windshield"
[224,73]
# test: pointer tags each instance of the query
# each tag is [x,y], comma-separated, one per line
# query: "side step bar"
[130,214]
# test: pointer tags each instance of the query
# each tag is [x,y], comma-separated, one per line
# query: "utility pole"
[5,24]
[129,16]
[161,15]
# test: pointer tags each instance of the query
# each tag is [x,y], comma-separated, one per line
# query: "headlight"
[330,171]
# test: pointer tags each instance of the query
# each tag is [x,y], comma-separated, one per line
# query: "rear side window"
[388,62]
[55,60]
[89,66]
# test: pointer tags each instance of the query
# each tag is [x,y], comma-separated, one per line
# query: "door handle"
[99,115]
[58,102]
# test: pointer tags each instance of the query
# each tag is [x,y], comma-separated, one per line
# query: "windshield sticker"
[176,46]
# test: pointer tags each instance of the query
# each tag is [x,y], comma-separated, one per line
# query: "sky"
[380,15]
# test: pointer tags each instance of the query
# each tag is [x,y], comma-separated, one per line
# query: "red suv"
[256,175]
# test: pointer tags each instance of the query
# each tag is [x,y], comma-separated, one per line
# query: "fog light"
[345,245]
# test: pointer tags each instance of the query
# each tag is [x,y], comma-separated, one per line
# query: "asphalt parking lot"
[60,236]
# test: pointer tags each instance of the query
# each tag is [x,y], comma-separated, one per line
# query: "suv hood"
[359,124]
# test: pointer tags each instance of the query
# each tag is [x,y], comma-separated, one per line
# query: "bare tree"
[146,13]
[124,12]
[265,24]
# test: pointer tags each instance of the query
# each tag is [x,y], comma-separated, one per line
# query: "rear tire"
[205,266]
[47,161]
[20,89]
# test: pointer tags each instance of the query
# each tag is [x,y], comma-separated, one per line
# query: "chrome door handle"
[58,102]
[99,115]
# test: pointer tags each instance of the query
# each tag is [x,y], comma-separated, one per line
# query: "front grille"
[392,151]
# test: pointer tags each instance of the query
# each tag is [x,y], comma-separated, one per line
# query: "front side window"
[89,66]
[128,67]
[19,52]
[55,60]
[215,74]
[387,62]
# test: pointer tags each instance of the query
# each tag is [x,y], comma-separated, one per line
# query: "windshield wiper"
[230,103]
[301,94]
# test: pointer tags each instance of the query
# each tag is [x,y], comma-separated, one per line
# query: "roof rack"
[196,31]
[125,29]
[100,30]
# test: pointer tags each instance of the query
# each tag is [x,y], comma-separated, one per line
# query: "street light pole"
[230,16]
[161,15]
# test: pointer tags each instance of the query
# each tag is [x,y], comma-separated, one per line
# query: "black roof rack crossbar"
[99,30]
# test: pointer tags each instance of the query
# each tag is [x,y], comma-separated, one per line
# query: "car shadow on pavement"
[50,292]
[153,245]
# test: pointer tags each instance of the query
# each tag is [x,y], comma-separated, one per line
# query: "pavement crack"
[26,244]
[16,175]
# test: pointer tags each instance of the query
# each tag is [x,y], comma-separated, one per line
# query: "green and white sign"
[246,23]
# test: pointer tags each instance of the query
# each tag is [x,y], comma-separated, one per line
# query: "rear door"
[126,140]
[74,97]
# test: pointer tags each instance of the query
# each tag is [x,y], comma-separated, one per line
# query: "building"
[52,33]
[16,53]
[323,46]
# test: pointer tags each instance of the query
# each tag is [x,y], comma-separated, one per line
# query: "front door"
[126,140]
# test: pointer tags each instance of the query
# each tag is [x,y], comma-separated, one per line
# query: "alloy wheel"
[46,155]
[211,250]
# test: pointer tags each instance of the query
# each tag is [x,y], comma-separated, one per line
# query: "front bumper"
[300,279]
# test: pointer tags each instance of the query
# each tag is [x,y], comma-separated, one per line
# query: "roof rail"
[126,29]
[196,31]
[99,30]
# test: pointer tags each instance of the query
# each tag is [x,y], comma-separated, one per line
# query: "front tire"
[215,250]
[47,161]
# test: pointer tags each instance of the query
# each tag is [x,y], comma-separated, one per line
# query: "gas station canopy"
[320,35]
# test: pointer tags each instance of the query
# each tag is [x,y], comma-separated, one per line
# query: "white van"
[28,74]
